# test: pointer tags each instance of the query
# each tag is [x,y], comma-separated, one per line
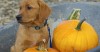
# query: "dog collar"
[42,25]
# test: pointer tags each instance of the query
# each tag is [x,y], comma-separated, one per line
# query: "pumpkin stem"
[75,15]
[42,46]
[80,24]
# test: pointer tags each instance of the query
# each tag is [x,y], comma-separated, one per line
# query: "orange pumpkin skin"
[31,49]
[52,50]
[34,49]
[67,39]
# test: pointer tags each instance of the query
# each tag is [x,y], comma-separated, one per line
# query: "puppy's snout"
[19,17]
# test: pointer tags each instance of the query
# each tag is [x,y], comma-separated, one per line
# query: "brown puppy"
[32,28]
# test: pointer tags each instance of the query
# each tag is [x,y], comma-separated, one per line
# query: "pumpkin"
[35,49]
[74,36]
[41,48]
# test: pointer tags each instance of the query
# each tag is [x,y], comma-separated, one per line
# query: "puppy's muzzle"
[19,18]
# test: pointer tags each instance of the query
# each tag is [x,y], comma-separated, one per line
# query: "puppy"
[33,27]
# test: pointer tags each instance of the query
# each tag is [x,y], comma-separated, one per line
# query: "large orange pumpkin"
[74,36]
[41,48]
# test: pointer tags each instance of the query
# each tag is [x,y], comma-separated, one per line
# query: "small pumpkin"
[74,35]
[35,49]
[40,48]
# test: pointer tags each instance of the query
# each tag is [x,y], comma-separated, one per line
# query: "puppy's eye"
[29,7]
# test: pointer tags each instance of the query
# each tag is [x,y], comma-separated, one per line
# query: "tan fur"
[27,36]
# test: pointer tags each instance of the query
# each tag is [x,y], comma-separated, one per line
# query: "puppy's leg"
[16,49]
[12,49]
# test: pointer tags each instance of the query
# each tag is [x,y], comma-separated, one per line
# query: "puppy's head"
[33,12]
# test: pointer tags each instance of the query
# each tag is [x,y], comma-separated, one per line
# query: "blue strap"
[50,37]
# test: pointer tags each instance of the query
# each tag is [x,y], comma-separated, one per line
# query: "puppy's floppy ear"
[44,11]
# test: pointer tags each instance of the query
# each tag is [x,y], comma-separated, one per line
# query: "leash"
[38,27]
[49,36]
[49,32]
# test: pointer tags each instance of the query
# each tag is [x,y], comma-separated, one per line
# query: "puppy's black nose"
[18,17]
